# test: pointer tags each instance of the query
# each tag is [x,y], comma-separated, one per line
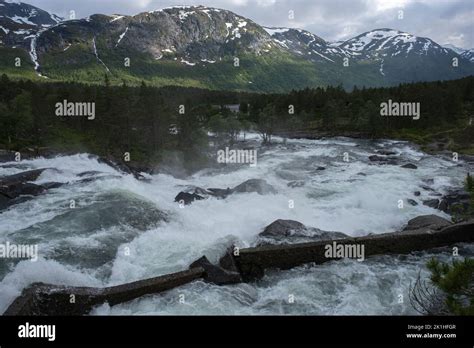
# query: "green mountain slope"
[217,49]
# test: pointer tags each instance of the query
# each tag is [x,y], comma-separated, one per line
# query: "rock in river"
[290,231]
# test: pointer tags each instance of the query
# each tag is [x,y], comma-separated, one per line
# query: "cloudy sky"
[445,21]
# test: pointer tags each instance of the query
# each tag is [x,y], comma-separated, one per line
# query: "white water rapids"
[117,234]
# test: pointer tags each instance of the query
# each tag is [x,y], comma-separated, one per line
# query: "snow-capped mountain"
[19,22]
[198,46]
[464,53]
[468,54]
[456,49]
[306,44]
[191,35]
[391,43]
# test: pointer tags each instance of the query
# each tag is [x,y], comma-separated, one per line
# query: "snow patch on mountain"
[323,56]
[116,18]
[273,31]
[96,53]
[187,62]
[21,20]
[469,55]
[121,36]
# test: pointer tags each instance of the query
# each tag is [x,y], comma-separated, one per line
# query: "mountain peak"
[25,14]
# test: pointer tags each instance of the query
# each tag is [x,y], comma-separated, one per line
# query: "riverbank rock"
[456,201]
[216,274]
[6,156]
[17,188]
[290,231]
[124,168]
[21,177]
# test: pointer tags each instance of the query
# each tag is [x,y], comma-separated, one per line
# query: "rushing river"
[122,229]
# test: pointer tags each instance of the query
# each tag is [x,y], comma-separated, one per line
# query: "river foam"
[135,230]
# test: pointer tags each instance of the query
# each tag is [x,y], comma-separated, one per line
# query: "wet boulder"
[4,201]
[427,188]
[386,152]
[187,198]
[432,203]
[409,166]
[123,168]
[283,228]
[194,193]
[294,184]
[228,262]
[259,186]
[384,159]
[432,222]
[216,274]
[290,232]
[412,202]
[457,201]
[376,158]
[52,185]
[457,196]
[30,175]
[89,173]
[219,193]
[14,187]
[23,189]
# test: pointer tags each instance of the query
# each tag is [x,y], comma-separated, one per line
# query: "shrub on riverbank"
[451,291]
